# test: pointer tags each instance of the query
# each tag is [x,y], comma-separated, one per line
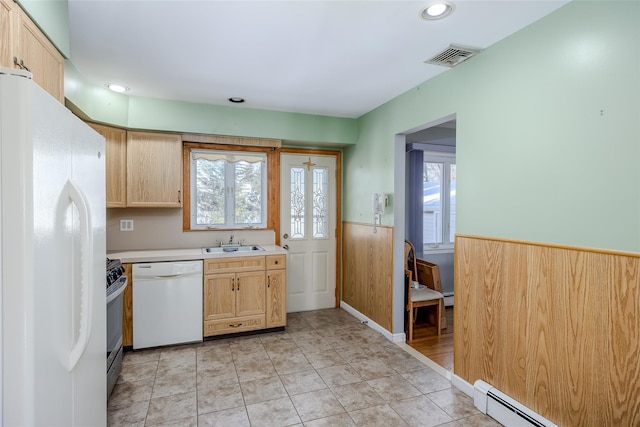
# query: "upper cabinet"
[22,45]
[115,164]
[154,170]
[6,59]
[143,169]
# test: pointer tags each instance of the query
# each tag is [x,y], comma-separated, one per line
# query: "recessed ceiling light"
[236,100]
[437,10]
[117,87]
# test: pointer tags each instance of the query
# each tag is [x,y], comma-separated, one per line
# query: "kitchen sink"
[226,249]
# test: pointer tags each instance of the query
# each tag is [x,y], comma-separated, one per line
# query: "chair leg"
[410,324]
[438,318]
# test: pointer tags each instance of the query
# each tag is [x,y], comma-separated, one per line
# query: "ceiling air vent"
[453,55]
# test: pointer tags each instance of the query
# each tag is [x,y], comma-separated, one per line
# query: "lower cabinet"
[240,294]
[243,294]
[276,314]
[127,308]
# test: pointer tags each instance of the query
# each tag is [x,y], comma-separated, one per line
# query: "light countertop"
[187,254]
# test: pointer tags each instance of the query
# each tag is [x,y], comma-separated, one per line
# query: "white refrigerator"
[52,261]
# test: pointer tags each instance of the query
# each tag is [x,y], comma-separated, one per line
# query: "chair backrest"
[429,274]
[425,272]
[410,259]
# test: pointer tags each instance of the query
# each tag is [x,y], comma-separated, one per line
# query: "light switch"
[126,225]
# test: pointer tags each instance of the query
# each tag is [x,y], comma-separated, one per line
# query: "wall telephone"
[379,202]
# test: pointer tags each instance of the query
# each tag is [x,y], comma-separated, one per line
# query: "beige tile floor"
[325,369]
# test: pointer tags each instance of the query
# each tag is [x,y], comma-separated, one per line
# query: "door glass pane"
[320,203]
[297,203]
[452,203]
[210,201]
[432,203]
[248,190]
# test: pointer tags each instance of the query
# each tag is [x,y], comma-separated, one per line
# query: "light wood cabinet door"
[154,170]
[219,296]
[250,293]
[276,310]
[35,52]
[6,34]
[115,164]
[127,308]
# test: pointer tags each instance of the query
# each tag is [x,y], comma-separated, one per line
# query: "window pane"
[431,203]
[248,189]
[320,203]
[297,203]
[452,203]
[210,203]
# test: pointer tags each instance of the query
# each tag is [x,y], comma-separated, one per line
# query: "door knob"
[285,236]
[285,247]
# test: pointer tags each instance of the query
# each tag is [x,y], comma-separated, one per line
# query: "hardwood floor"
[426,341]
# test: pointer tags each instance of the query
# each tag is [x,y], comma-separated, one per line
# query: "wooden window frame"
[273,182]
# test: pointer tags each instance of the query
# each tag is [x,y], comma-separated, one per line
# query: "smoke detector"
[453,55]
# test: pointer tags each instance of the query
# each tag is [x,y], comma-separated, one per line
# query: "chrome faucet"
[231,240]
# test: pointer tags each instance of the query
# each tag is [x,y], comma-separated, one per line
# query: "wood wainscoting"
[367,263]
[556,328]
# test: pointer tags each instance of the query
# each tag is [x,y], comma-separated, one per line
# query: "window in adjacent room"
[228,189]
[438,199]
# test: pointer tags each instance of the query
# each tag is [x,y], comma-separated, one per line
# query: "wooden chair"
[425,295]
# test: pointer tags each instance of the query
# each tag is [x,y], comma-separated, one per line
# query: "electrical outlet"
[126,225]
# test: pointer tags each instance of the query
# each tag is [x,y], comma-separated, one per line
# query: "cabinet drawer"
[233,265]
[276,262]
[229,326]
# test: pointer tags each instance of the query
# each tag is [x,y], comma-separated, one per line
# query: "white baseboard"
[373,325]
[462,385]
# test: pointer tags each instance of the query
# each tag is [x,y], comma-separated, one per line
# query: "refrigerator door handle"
[86,245]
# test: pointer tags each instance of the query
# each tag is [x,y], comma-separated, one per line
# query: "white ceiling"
[336,58]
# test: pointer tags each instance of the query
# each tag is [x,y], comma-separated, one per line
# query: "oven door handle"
[117,293]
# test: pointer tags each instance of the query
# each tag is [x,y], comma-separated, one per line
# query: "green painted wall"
[95,102]
[146,113]
[52,16]
[548,132]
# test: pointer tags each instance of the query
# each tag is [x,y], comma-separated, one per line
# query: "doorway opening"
[427,180]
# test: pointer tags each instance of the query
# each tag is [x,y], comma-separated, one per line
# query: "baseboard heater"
[504,409]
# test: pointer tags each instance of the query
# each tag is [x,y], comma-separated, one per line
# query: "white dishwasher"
[167,303]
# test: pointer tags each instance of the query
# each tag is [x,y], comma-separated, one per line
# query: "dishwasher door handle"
[166,276]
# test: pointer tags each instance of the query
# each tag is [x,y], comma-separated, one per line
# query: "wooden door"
[250,293]
[308,229]
[219,296]
[276,298]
